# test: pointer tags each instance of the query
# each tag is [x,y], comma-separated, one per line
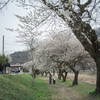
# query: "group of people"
[6,66]
[52,79]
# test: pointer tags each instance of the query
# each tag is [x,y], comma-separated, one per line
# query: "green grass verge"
[19,87]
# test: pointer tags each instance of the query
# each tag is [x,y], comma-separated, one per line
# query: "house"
[16,68]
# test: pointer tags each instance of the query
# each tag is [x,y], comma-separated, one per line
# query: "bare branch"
[4,4]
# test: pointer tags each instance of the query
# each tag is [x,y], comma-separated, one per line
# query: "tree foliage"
[3,59]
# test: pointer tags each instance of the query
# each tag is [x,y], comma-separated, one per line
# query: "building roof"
[15,65]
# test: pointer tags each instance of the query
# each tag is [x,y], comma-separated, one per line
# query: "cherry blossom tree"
[28,33]
[59,48]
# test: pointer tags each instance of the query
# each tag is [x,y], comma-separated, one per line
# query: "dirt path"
[61,91]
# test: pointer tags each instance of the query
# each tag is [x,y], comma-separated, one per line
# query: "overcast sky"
[8,20]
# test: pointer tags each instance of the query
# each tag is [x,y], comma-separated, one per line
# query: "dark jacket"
[1,67]
[7,64]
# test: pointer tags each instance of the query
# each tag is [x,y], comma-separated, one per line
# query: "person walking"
[7,67]
[50,79]
[54,79]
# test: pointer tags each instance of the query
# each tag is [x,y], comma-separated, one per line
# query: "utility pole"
[3,46]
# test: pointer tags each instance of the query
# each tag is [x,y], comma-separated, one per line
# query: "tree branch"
[4,4]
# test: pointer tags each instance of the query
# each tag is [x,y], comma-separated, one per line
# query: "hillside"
[20,57]
[19,87]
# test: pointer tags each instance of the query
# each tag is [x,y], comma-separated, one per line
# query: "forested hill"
[20,57]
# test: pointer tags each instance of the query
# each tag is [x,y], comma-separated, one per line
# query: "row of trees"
[77,15]
[58,51]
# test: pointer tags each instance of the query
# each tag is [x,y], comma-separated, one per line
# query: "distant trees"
[3,59]
[20,57]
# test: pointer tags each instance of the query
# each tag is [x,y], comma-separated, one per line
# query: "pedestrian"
[7,67]
[50,78]
[54,79]
[1,68]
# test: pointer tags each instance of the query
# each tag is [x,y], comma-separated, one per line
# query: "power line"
[13,44]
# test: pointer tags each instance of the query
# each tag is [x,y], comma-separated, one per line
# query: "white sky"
[8,20]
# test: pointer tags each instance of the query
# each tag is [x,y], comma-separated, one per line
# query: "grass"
[79,92]
[19,87]
[85,90]
[82,87]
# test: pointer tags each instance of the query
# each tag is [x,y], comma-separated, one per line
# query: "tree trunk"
[75,82]
[49,73]
[64,76]
[59,74]
[46,73]
[42,73]
[33,75]
[98,75]
[33,80]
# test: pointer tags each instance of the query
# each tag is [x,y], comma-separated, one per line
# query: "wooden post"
[3,46]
